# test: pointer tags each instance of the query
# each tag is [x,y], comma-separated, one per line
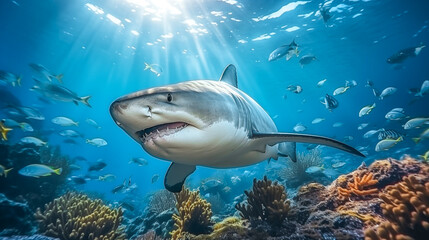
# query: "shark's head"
[175,121]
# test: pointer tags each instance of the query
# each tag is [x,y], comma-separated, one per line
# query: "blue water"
[196,39]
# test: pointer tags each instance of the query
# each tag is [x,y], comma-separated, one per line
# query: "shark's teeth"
[160,131]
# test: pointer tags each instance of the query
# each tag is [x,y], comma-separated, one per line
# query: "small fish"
[415,123]
[26,127]
[387,144]
[98,142]
[351,83]
[78,180]
[70,133]
[70,141]
[321,82]
[4,171]
[370,133]
[74,167]
[387,92]
[284,50]
[79,158]
[403,54]
[423,89]
[307,59]
[155,178]
[33,140]
[299,128]
[362,126]
[314,169]
[155,68]
[291,52]
[138,161]
[235,179]
[348,138]
[127,206]
[31,113]
[366,110]
[423,135]
[39,170]
[330,102]
[107,178]
[317,120]
[119,187]
[64,121]
[59,93]
[97,166]
[40,69]
[325,12]
[425,156]
[389,134]
[338,164]
[92,123]
[395,114]
[295,89]
[340,90]
[4,130]
[337,124]
[10,78]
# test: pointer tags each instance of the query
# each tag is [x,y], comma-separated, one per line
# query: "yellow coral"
[76,217]
[406,207]
[267,201]
[194,214]
[358,185]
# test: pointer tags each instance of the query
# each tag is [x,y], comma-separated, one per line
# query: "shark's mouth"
[161,130]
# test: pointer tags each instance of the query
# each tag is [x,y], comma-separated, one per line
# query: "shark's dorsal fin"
[229,75]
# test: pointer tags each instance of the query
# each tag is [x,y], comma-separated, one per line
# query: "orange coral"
[406,208]
[358,185]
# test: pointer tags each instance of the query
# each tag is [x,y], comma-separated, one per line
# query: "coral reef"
[294,172]
[161,223]
[229,228]
[194,214]
[15,217]
[75,216]
[32,237]
[267,201]
[36,191]
[406,207]
[151,235]
[161,200]
[358,185]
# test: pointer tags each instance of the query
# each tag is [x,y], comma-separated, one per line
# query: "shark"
[206,123]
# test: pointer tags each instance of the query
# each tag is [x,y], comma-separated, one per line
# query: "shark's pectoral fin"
[229,75]
[176,176]
[274,138]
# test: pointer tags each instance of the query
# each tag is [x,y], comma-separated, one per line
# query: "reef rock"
[15,217]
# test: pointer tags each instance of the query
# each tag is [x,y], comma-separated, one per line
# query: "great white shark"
[206,123]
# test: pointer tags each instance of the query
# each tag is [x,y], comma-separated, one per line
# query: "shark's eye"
[169,97]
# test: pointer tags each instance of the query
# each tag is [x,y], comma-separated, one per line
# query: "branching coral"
[406,207]
[358,185]
[194,214]
[267,201]
[76,217]
[294,172]
[161,200]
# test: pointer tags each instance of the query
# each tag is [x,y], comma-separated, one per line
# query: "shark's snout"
[118,107]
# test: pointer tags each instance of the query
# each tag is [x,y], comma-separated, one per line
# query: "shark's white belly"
[220,145]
